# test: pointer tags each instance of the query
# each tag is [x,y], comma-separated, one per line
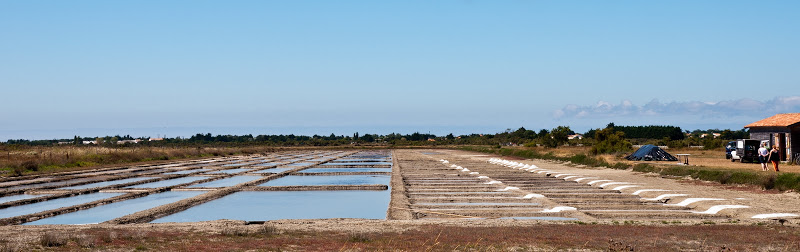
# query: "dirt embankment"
[398,204]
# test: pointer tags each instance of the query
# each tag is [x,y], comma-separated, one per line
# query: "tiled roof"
[779,120]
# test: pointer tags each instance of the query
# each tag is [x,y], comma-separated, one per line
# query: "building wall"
[759,135]
[789,143]
[769,130]
[794,141]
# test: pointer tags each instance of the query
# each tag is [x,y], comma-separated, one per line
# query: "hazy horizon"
[304,131]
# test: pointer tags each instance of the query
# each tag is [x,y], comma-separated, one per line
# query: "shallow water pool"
[358,163]
[275,170]
[476,204]
[329,180]
[140,172]
[269,164]
[315,170]
[361,160]
[187,171]
[227,181]
[117,209]
[18,197]
[54,204]
[108,183]
[300,164]
[539,218]
[169,182]
[54,184]
[253,206]
[229,171]
[319,159]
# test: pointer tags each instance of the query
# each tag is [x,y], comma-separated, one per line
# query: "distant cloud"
[741,107]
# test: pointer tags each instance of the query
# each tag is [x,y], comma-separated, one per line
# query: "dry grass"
[698,157]
[53,239]
[716,159]
[449,238]
[11,247]
[37,160]
[715,169]
[563,151]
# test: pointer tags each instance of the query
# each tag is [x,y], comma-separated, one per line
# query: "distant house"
[782,130]
[715,135]
[89,142]
[156,139]
[129,141]
[576,136]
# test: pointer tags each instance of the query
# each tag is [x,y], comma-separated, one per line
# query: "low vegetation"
[550,237]
[30,160]
[781,181]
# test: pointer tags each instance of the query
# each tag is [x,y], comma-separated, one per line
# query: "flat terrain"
[446,200]
[697,157]
[712,158]
[596,193]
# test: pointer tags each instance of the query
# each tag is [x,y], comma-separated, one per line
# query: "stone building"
[782,130]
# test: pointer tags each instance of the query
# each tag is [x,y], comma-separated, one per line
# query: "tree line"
[654,134]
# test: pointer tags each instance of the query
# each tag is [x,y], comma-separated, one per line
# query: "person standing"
[763,154]
[775,157]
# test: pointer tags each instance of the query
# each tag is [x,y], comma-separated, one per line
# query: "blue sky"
[319,67]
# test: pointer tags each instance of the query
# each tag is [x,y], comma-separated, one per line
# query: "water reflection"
[227,181]
[107,183]
[118,209]
[229,171]
[18,197]
[253,206]
[314,170]
[329,180]
[170,182]
[275,170]
[54,204]
[187,171]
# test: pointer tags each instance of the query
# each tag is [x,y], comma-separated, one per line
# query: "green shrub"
[788,181]
[709,175]
[610,141]
[745,178]
[644,168]
[620,165]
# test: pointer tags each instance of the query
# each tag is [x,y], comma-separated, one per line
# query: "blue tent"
[650,153]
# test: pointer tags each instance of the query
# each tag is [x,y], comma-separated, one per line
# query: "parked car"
[730,147]
[746,150]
